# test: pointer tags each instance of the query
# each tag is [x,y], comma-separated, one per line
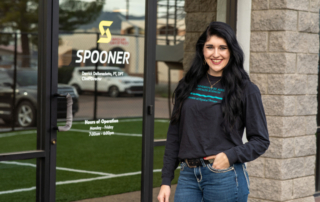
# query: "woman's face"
[217,55]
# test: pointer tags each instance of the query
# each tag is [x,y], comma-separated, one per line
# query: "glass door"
[27,140]
[101,56]
[95,52]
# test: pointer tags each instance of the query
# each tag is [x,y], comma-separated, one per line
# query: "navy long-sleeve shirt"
[199,134]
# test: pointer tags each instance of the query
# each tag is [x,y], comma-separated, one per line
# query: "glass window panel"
[18,180]
[169,56]
[18,91]
[101,154]
[157,166]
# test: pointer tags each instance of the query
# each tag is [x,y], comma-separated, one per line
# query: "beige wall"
[176,75]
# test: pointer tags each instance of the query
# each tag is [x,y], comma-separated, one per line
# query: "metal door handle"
[69,113]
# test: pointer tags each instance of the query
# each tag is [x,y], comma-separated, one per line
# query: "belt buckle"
[186,160]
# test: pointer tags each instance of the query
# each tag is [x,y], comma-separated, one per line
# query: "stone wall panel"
[272,63]
[307,63]
[293,84]
[280,148]
[274,20]
[191,41]
[305,145]
[313,42]
[207,5]
[310,162]
[279,105]
[261,80]
[282,169]
[304,199]
[282,126]
[258,41]
[312,84]
[192,6]
[287,41]
[259,4]
[308,22]
[314,6]
[199,21]
[275,148]
[255,168]
[273,104]
[257,200]
[304,186]
[307,105]
[289,4]
[187,60]
[268,189]
[311,124]
[289,105]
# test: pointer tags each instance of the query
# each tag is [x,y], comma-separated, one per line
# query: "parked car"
[26,97]
[110,79]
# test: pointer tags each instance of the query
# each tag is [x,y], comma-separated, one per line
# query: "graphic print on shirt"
[207,94]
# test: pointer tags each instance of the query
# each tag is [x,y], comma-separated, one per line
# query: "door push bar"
[69,113]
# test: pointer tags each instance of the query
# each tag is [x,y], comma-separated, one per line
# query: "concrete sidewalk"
[130,197]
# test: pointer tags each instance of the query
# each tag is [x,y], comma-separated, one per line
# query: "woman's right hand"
[164,193]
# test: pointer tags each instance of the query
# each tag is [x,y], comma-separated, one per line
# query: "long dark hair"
[232,80]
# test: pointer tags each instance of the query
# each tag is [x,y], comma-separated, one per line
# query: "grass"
[77,150]
[18,143]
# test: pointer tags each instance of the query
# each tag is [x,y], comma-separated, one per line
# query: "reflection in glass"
[18,67]
[18,91]
[157,166]
[103,59]
[19,109]
[171,31]
[18,180]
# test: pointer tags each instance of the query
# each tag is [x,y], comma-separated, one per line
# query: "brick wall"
[284,64]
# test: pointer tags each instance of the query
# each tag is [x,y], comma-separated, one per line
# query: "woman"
[213,103]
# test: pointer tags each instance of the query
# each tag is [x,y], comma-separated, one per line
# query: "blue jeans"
[206,184]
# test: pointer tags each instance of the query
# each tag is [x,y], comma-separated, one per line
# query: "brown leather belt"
[193,163]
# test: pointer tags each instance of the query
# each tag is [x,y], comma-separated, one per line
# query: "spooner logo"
[104,31]
[113,57]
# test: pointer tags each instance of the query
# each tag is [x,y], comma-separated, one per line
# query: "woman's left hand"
[221,161]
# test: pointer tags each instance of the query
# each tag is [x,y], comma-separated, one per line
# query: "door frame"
[45,152]
[48,34]
[148,100]
[47,102]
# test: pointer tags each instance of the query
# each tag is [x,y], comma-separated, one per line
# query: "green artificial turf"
[17,143]
[77,150]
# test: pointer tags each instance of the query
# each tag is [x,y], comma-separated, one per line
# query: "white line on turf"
[165,121]
[58,168]
[18,133]
[17,190]
[79,181]
[84,171]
